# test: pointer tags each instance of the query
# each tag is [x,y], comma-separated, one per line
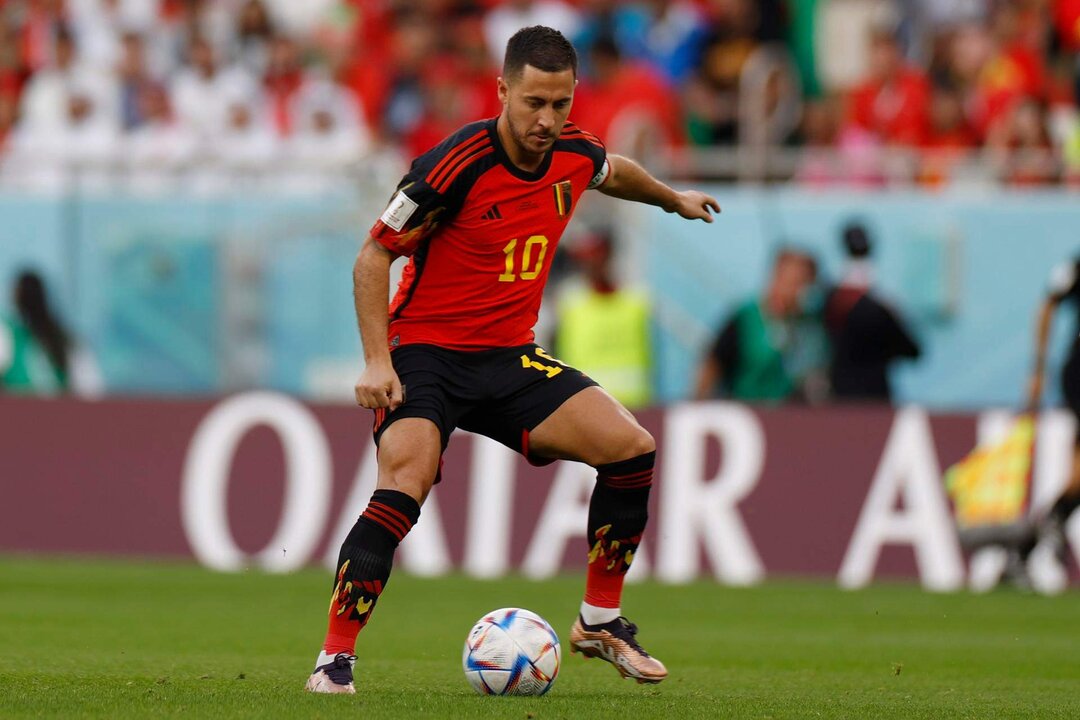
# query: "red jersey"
[480,234]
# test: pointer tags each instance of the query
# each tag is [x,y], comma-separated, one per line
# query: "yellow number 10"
[526,259]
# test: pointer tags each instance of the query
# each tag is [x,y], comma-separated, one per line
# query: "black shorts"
[502,393]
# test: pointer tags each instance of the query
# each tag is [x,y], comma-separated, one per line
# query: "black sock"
[618,511]
[364,565]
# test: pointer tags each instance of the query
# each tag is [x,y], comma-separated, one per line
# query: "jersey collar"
[507,163]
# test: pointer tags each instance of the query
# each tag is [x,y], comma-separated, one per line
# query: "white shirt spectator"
[157,151]
[240,157]
[99,25]
[45,101]
[330,139]
[80,153]
[506,19]
[202,102]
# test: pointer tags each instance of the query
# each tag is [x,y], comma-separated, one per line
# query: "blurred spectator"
[417,68]
[768,350]
[892,102]
[414,42]
[604,329]
[843,36]
[712,93]
[41,26]
[624,24]
[81,151]
[133,77]
[674,37]
[160,147]
[242,153]
[626,104]
[866,335]
[948,137]
[46,98]
[200,93]
[37,355]
[512,15]
[102,27]
[330,138]
[254,33]
[1022,145]
[282,81]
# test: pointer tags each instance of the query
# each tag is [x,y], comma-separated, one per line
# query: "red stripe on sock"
[639,473]
[375,515]
[395,513]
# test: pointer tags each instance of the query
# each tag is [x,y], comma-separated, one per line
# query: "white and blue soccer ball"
[511,651]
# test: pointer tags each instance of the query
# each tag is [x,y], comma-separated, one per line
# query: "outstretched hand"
[695,205]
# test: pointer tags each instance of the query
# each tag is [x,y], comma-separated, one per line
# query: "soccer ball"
[511,651]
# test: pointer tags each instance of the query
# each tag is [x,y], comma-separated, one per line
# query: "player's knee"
[636,443]
[642,443]
[407,473]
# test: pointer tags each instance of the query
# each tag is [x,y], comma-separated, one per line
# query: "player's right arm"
[378,386]
[1042,337]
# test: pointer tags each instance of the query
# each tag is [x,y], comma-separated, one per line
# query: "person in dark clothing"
[1064,287]
[866,334]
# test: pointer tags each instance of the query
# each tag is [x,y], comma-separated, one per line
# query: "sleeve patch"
[398,212]
[600,177]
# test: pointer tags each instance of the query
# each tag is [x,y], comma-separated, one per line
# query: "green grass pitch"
[109,639]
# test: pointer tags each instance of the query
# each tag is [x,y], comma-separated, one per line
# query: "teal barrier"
[185,295]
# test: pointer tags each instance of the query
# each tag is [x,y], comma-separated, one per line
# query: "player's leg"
[1052,528]
[594,428]
[409,452]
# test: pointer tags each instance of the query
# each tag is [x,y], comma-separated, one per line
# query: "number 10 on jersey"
[533,252]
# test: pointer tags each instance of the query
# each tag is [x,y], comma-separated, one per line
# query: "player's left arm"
[627,180]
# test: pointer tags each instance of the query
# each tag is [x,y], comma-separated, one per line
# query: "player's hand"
[379,387]
[695,205]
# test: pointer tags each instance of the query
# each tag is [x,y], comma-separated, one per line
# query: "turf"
[91,638]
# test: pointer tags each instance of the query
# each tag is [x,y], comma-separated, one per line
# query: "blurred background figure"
[1064,287]
[604,329]
[769,349]
[865,334]
[37,355]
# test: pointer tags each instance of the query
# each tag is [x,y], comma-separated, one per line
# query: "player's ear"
[504,90]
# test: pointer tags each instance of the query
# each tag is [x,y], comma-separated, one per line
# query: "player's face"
[536,105]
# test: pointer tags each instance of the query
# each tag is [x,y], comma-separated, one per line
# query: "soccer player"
[479,217]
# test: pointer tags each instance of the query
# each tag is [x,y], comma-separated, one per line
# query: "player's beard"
[521,139]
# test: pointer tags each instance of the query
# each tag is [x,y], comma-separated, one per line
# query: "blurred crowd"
[223,90]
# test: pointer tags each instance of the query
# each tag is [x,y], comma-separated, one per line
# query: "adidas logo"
[492,214]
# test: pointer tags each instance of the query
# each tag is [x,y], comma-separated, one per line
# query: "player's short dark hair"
[542,47]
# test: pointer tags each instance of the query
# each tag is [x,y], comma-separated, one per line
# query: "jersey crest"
[564,197]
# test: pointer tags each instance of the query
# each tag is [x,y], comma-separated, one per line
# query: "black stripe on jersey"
[581,146]
[419,259]
[423,165]
[454,160]
[448,175]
